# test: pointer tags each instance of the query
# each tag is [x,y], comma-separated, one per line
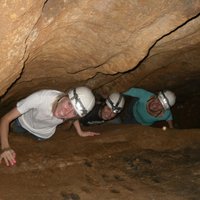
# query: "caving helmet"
[82,99]
[116,102]
[167,98]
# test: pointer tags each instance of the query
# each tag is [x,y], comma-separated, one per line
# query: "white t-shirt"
[37,117]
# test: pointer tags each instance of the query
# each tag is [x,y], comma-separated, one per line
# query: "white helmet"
[82,99]
[116,102]
[167,98]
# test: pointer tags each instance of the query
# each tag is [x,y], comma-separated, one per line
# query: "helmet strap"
[115,108]
[78,101]
[165,98]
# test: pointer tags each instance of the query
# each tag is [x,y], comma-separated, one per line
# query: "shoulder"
[168,114]
[39,96]
[46,94]
[138,92]
[95,110]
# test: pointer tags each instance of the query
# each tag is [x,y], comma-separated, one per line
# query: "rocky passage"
[114,165]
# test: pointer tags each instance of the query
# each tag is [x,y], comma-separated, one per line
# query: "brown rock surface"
[63,43]
[125,162]
[110,46]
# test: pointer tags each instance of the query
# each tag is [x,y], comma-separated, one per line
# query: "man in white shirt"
[40,114]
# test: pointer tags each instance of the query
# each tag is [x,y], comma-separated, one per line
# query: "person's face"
[107,113]
[155,104]
[64,109]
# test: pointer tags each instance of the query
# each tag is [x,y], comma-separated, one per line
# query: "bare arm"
[7,153]
[170,123]
[81,132]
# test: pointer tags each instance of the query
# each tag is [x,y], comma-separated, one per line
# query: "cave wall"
[108,45]
[172,62]
[17,21]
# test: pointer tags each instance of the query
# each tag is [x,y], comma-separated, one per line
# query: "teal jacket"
[139,108]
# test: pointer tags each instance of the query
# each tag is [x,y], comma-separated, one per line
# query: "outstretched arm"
[83,133]
[170,123]
[7,154]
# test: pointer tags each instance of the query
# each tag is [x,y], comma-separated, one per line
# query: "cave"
[109,46]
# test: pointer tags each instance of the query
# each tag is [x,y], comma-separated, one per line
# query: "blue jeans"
[16,127]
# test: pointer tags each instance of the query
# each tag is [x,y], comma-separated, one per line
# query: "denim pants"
[16,127]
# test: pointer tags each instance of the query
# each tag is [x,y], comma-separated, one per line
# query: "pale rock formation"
[108,45]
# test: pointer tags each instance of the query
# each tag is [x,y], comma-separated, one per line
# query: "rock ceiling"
[108,45]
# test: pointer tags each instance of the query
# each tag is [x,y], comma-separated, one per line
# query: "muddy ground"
[124,163]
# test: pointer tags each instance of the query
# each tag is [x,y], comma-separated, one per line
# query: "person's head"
[161,102]
[77,103]
[113,105]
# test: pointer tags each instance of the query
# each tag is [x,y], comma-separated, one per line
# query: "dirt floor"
[124,163]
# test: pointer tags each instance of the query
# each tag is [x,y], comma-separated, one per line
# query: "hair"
[57,100]
[60,96]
